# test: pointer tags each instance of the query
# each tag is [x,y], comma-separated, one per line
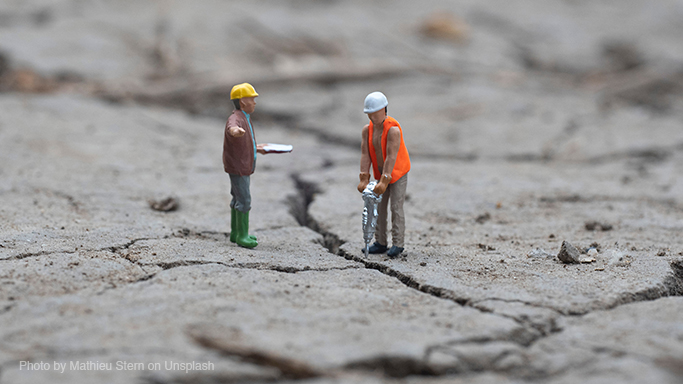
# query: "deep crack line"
[254,266]
[118,248]
[527,303]
[35,254]
[181,233]
[299,206]
[408,281]
[289,368]
[113,249]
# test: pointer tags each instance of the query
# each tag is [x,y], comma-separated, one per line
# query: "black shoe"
[394,251]
[377,248]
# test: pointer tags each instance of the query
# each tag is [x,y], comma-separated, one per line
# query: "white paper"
[277,148]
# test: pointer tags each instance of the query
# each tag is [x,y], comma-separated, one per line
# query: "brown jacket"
[238,152]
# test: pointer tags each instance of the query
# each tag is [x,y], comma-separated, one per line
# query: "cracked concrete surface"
[539,120]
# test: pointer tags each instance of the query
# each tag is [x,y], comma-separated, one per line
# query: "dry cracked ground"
[528,123]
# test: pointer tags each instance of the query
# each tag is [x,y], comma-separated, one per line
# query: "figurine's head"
[246,104]
[376,107]
[243,97]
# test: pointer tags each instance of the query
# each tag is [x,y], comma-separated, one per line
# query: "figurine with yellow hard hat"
[239,160]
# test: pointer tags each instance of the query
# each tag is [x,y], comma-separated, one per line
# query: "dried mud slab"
[635,342]
[295,314]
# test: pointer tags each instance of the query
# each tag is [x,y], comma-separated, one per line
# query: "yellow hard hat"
[242,90]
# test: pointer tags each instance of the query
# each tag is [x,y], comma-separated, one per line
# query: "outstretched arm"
[236,131]
[364,160]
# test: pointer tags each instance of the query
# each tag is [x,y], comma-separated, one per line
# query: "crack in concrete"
[458,362]
[407,280]
[394,366]
[391,366]
[34,254]
[543,329]
[672,286]
[257,266]
[527,303]
[119,248]
[526,336]
[288,367]
[113,249]
[299,209]
[675,281]
[448,348]
[182,233]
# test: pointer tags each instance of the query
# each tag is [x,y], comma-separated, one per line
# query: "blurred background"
[567,80]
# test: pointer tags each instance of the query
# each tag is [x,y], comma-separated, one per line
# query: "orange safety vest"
[402,165]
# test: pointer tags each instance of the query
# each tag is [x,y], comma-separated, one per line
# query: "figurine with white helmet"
[383,150]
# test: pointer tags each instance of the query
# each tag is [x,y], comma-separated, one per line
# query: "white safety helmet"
[375,101]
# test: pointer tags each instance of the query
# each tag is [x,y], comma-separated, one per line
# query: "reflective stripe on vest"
[402,165]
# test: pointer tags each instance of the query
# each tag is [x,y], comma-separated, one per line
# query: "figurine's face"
[377,117]
[248,104]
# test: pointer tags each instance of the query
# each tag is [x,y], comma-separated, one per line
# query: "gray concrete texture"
[529,125]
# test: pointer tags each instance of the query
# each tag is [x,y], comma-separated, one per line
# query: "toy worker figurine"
[382,147]
[239,161]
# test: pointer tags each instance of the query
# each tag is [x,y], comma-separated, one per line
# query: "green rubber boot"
[243,239]
[233,226]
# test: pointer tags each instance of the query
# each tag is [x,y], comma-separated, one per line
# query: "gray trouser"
[397,193]
[239,189]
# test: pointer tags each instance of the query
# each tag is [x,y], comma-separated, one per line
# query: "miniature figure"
[385,150]
[239,160]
